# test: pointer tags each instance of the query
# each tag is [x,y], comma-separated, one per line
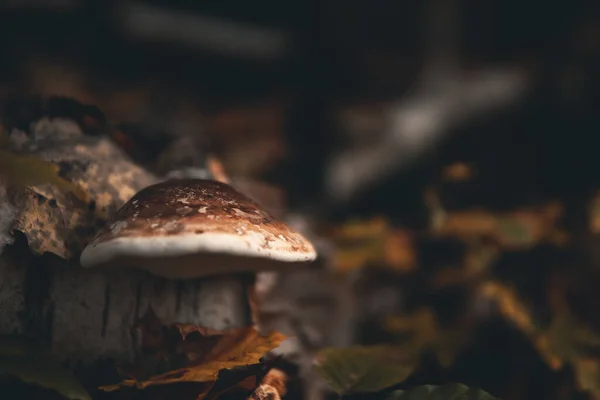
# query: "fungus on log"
[86,315]
[191,229]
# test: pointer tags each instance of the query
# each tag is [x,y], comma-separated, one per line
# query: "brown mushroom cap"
[190,228]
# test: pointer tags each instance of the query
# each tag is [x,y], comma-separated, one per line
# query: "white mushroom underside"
[250,246]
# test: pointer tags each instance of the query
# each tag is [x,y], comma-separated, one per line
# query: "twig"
[229,37]
[416,124]
[443,98]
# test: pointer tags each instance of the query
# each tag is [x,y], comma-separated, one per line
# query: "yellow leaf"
[228,349]
[517,229]
[458,172]
[594,214]
[372,243]
[578,345]
[516,312]
[420,331]
[33,171]
[363,229]
[587,373]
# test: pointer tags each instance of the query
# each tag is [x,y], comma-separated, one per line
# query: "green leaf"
[453,391]
[361,369]
[32,364]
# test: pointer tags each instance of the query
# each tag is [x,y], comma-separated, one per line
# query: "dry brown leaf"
[587,374]
[399,250]
[216,168]
[458,172]
[361,229]
[372,243]
[509,305]
[594,214]
[514,310]
[477,262]
[208,351]
[514,230]
[577,345]
[469,224]
[420,331]
[422,324]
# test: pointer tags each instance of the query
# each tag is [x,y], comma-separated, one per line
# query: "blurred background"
[451,142]
[329,99]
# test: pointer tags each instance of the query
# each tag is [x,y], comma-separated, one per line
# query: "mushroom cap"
[186,228]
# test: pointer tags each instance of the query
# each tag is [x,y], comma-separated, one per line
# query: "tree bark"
[89,315]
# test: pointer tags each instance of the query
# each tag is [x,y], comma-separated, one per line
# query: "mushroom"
[199,229]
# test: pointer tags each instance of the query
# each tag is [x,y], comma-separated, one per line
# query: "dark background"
[340,59]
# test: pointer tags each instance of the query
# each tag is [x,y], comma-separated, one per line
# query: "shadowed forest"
[299,200]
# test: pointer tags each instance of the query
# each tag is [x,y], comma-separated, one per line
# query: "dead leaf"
[519,229]
[594,214]
[509,305]
[32,171]
[216,168]
[420,331]
[458,172]
[208,351]
[422,324]
[372,243]
[587,374]
[359,229]
[578,345]
[478,260]
[517,312]
[399,251]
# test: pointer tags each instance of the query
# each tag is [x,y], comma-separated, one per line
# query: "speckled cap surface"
[188,228]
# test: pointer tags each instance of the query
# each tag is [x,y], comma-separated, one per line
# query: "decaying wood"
[87,315]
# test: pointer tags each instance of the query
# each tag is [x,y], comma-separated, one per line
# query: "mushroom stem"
[222,302]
